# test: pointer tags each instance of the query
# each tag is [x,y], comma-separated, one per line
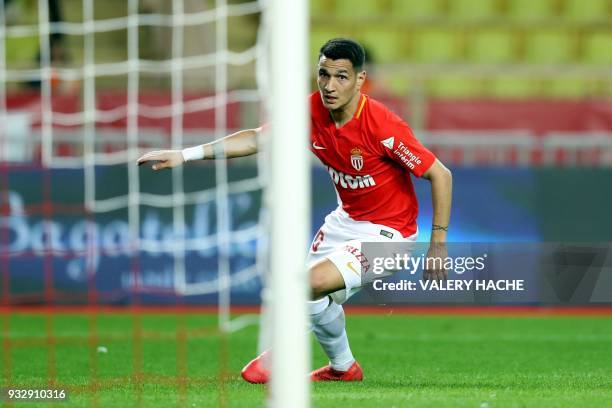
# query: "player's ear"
[361,77]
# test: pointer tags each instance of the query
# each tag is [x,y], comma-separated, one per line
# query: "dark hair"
[344,48]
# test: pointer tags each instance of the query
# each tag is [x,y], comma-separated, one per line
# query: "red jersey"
[370,159]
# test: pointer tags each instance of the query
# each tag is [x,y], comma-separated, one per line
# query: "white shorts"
[340,241]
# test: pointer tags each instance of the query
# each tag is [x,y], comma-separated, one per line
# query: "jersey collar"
[362,103]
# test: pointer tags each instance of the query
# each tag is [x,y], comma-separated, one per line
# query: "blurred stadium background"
[514,95]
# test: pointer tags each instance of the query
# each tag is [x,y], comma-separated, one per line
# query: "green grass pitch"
[408,361]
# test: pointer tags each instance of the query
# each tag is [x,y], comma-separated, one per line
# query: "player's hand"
[164,159]
[436,256]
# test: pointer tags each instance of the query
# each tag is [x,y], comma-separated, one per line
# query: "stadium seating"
[569,86]
[432,45]
[587,11]
[21,51]
[512,86]
[451,86]
[548,46]
[530,10]
[491,33]
[384,43]
[491,46]
[416,9]
[472,9]
[597,48]
[358,8]
[322,6]
[318,37]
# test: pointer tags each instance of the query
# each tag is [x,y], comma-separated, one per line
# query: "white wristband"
[193,153]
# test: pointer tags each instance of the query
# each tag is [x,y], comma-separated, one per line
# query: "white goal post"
[176,241]
[289,201]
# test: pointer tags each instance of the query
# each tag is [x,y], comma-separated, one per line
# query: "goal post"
[289,202]
[129,77]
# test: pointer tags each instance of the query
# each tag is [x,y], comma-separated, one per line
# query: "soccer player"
[370,154]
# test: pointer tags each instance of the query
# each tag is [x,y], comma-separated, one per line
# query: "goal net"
[85,88]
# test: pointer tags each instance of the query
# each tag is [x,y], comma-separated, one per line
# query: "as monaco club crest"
[356,158]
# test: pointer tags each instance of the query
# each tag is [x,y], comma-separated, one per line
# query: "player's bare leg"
[325,278]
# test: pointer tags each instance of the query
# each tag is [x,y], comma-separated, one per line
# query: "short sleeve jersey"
[370,160]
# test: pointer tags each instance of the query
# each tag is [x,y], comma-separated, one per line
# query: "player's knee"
[318,281]
[324,279]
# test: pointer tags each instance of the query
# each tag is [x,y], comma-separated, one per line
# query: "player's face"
[338,82]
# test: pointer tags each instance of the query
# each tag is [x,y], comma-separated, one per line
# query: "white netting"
[195,232]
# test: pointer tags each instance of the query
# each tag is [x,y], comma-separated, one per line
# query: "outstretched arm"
[242,143]
[441,196]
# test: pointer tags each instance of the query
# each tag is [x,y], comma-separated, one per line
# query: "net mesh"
[81,223]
